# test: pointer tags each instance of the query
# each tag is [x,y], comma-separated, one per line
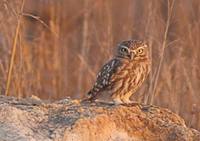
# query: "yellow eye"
[140,50]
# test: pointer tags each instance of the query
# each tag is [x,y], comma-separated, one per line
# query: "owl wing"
[103,78]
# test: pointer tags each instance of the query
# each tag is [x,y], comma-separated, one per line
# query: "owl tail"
[90,97]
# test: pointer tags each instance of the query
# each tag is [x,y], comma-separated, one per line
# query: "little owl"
[121,77]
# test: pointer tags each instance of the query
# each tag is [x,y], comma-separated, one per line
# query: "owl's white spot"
[113,62]
[104,82]
[100,86]
[96,89]
[107,67]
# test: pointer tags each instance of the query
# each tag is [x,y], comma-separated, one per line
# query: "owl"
[121,77]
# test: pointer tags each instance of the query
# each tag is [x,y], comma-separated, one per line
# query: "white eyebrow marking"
[123,46]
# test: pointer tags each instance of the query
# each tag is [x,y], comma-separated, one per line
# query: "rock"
[70,120]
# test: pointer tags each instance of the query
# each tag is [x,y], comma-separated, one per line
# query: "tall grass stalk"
[13,53]
[164,43]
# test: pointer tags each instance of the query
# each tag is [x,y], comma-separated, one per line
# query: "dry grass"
[8,80]
[61,45]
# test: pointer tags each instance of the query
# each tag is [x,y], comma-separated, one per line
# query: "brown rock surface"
[67,120]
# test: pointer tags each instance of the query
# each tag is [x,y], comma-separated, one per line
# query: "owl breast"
[129,78]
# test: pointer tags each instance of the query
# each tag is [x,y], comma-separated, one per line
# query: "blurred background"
[53,49]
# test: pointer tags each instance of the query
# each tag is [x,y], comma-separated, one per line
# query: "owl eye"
[140,50]
[123,50]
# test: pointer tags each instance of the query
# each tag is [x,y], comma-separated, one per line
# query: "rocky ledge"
[32,119]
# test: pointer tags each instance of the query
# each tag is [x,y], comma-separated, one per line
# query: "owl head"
[133,50]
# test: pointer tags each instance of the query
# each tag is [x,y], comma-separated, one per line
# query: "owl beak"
[132,55]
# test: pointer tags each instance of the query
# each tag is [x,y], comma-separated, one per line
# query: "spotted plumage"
[124,74]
